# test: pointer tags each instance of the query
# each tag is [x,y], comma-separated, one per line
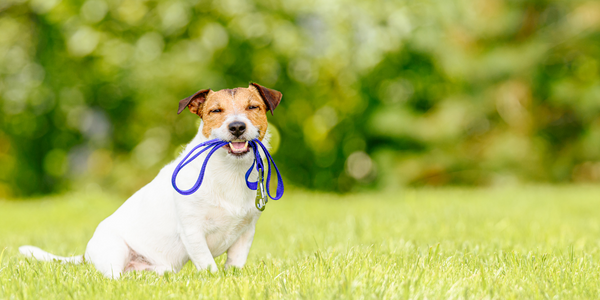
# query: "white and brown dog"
[158,229]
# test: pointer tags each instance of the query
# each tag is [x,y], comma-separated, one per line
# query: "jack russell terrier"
[158,229]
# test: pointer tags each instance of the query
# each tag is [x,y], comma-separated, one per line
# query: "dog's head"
[235,115]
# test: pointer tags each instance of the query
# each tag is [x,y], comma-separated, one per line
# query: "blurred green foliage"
[376,93]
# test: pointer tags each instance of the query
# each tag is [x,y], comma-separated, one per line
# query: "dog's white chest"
[223,228]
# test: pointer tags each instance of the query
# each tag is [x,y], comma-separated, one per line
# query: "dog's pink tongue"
[238,145]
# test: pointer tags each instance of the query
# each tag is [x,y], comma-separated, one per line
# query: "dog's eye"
[218,110]
[252,107]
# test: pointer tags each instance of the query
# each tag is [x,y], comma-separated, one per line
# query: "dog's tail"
[39,254]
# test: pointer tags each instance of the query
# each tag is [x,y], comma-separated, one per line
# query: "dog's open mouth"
[237,147]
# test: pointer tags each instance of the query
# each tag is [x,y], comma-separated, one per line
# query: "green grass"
[532,242]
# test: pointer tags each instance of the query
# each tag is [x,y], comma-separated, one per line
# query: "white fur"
[160,230]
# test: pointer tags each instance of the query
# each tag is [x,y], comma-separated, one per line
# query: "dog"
[159,230]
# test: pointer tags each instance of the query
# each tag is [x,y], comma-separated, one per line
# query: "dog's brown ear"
[270,96]
[193,102]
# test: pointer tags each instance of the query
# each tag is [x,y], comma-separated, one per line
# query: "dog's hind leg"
[160,270]
[108,252]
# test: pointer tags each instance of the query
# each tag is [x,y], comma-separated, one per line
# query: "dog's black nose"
[237,128]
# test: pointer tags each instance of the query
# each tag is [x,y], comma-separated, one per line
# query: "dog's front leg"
[238,252]
[194,241]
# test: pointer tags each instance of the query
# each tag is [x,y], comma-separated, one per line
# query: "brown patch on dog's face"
[244,101]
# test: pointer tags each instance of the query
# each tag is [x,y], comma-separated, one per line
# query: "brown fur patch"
[236,101]
[193,102]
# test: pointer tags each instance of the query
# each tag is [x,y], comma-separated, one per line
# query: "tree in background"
[376,94]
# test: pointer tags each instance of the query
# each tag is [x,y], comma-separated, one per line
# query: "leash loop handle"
[280,188]
[262,193]
[215,145]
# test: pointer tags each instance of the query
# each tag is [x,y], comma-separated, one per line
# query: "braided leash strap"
[259,185]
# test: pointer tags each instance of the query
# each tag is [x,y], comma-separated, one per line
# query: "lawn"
[525,242]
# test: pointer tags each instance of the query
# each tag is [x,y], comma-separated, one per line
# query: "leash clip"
[261,195]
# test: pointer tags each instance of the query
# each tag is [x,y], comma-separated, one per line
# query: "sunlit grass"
[534,242]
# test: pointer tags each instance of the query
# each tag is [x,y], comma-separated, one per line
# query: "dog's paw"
[233,267]
[213,268]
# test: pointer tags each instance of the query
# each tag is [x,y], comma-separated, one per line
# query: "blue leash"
[259,185]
